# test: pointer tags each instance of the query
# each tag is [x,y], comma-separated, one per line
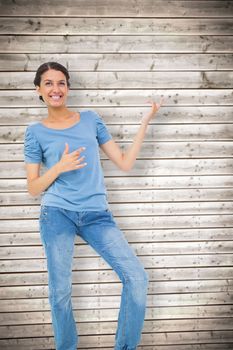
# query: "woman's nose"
[56,89]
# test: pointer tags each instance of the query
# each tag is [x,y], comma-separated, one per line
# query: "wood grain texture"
[108,8]
[133,80]
[175,206]
[100,26]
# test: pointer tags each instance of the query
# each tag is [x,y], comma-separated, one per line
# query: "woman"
[74,202]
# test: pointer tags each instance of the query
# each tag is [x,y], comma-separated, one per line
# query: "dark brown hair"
[45,67]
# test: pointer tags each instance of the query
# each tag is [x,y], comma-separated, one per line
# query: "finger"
[80,165]
[78,151]
[66,148]
[79,160]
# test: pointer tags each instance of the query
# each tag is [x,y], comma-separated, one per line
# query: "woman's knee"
[138,287]
[60,295]
[137,273]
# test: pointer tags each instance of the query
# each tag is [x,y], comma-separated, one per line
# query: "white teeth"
[55,97]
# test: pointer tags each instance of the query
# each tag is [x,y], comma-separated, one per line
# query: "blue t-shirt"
[80,189]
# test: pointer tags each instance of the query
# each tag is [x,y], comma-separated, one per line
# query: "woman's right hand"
[70,161]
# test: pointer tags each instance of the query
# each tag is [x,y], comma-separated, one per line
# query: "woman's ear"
[38,90]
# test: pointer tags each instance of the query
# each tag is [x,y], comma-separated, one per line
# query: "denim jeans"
[58,229]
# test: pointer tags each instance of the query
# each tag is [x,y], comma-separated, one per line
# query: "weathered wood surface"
[127,182]
[138,206]
[126,80]
[147,63]
[90,261]
[104,274]
[201,114]
[131,8]
[127,97]
[30,237]
[150,167]
[110,326]
[154,133]
[174,206]
[13,151]
[162,314]
[109,26]
[97,342]
[157,287]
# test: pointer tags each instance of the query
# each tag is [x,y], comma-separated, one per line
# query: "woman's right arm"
[36,184]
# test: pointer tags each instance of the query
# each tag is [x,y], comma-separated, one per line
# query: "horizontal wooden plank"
[170,207]
[154,133]
[111,62]
[210,208]
[104,274]
[151,249]
[185,58]
[106,302]
[98,289]
[131,80]
[129,115]
[135,209]
[135,222]
[94,263]
[124,97]
[223,346]
[111,315]
[149,149]
[147,8]
[95,328]
[115,26]
[172,167]
[145,167]
[134,235]
[189,340]
[109,328]
[171,201]
[15,185]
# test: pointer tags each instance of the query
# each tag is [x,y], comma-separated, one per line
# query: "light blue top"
[80,189]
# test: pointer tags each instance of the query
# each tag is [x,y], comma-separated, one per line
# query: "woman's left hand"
[154,108]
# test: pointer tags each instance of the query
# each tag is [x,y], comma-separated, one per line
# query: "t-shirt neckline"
[72,126]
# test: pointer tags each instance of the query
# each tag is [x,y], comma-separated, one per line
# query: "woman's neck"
[59,114]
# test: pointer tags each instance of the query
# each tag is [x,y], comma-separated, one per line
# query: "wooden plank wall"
[175,205]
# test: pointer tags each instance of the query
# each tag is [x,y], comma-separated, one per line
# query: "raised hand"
[70,161]
[154,108]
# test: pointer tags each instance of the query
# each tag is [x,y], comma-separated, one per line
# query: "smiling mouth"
[56,97]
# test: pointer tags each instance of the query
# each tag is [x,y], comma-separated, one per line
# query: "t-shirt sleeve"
[32,148]
[102,133]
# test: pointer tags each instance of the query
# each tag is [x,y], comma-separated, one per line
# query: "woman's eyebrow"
[52,80]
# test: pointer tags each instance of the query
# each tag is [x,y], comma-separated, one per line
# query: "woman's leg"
[58,234]
[100,230]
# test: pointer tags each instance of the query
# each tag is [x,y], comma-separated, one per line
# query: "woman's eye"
[49,83]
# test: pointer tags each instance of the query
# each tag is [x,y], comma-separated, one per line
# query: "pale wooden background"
[175,205]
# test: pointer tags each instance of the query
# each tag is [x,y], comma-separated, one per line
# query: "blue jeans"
[58,229]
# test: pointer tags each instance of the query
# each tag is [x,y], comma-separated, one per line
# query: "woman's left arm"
[125,161]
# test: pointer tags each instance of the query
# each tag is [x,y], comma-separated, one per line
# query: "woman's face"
[53,88]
